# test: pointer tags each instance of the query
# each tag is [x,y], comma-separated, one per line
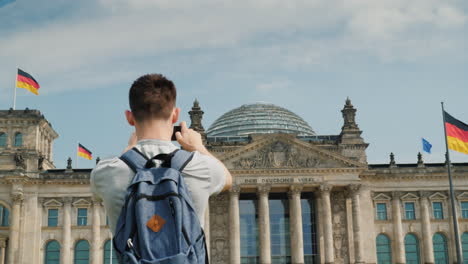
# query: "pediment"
[463,196]
[409,196]
[52,203]
[285,152]
[82,203]
[382,197]
[437,196]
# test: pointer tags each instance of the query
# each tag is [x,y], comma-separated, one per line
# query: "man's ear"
[175,115]
[130,118]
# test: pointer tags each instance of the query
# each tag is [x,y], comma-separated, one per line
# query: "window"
[52,217]
[381,211]
[439,243]
[384,250]
[437,210]
[465,247]
[309,232]
[411,249]
[279,229]
[52,253]
[18,139]
[4,215]
[464,210]
[3,139]
[248,218]
[409,211]
[82,219]
[108,254]
[81,252]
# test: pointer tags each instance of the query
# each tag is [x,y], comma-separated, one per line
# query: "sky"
[397,60]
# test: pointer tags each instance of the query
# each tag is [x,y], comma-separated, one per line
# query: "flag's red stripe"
[456,132]
[82,150]
[28,81]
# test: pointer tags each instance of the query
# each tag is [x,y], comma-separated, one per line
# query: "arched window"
[411,249]
[384,250]
[440,249]
[52,253]
[108,255]
[18,139]
[3,139]
[81,252]
[4,215]
[465,247]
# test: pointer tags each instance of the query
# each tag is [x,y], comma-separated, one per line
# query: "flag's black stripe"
[25,74]
[81,146]
[452,120]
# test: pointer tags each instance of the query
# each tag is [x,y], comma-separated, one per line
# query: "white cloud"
[259,32]
[269,87]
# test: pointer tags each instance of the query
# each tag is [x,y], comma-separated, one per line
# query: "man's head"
[152,97]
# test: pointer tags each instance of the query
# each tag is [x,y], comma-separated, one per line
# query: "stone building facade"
[297,197]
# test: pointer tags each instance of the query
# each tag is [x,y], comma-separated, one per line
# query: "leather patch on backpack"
[156,223]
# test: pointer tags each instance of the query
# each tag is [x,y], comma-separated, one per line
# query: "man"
[153,114]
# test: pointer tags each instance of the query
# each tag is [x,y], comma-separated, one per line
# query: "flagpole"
[111,248]
[452,195]
[76,161]
[14,96]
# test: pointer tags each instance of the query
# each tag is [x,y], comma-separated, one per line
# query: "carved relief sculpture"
[340,234]
[219,206]
[19,161]
[279,155]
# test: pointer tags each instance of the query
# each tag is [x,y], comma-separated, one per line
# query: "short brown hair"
[152,96]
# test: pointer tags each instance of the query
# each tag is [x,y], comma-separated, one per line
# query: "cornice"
[409,177]
[267,172]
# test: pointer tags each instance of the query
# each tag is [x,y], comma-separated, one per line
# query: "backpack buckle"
[130,246]
[129,243]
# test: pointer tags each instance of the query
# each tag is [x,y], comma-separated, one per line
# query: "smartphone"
[176,129]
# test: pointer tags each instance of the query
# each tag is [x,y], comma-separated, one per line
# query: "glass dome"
[259,118]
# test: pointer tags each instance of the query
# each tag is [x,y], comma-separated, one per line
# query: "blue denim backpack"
[158,223]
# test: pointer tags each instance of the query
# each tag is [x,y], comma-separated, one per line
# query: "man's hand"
[190,139]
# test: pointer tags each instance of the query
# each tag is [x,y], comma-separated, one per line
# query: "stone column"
[356,210]
[66,231]
[327,223]
[428,249]
[96,233]
[13,244]
[2,251]
[264,224]
[398,229]
[295,227]
[234,226]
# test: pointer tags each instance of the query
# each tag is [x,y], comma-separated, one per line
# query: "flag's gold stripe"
[457,145]
[27,86]
[84,155]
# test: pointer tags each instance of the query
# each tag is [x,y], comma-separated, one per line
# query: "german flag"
[84,152]
[26,81]
[457,134]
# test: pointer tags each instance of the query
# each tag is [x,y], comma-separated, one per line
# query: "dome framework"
[259,118]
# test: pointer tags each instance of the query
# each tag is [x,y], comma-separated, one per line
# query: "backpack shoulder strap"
[134,159]
[180,159]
